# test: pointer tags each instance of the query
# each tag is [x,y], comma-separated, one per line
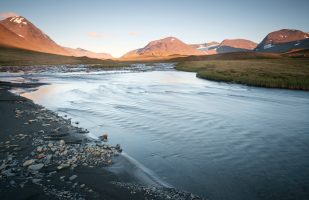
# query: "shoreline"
[43,156]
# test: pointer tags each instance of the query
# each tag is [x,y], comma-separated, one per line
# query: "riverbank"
[43,156]
[270,73]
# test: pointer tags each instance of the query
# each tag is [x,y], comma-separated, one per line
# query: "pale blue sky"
[120,26]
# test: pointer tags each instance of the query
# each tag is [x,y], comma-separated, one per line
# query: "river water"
[221,141]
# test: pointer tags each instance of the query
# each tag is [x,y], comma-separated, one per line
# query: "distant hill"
[79,52]
[283,41]
[169,46]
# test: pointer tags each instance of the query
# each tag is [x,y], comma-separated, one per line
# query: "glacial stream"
[218,140]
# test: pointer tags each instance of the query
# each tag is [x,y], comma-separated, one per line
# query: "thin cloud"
[95,35]
[134,33]
[5,15]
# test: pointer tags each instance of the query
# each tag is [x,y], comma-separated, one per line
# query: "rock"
[63,166]
[36,167]
[36,180]
[48,159]
[82,186]
[12,182]
[104,137]
[73,177]
[50,145]
[65,152]
[28,162]
[32,120]
[3,166]
[118,148]
[41,155]
[62,142]
[8,173]
[39,149]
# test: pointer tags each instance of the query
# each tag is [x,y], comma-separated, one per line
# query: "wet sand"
[43,156]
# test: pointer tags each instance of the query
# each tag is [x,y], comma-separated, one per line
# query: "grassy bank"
[273,73]
[19,57]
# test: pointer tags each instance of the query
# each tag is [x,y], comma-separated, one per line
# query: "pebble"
[36,167]
[8,173]
[3,166]
[63,166]
[48,159]
[36,180]
[118,148]
[39,149]
[104,137]
[73,177]
[62,142]
[28,162]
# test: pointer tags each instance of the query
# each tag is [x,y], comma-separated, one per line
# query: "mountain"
[11,39]
[166,47]
[208,48]
[20,33]
[226,46]
[31,34]
[283,41]
[79,52]
[235,45]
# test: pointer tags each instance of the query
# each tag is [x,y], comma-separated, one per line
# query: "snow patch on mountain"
[17,19]
[267,46]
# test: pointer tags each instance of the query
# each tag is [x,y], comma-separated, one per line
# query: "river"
[218,140]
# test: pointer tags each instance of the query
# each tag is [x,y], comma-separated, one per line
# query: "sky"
[119,26]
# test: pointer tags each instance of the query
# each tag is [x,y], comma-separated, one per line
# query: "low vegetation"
[275,73]
[19,57]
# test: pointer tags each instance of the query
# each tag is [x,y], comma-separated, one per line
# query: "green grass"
[274,73]
[19,57]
